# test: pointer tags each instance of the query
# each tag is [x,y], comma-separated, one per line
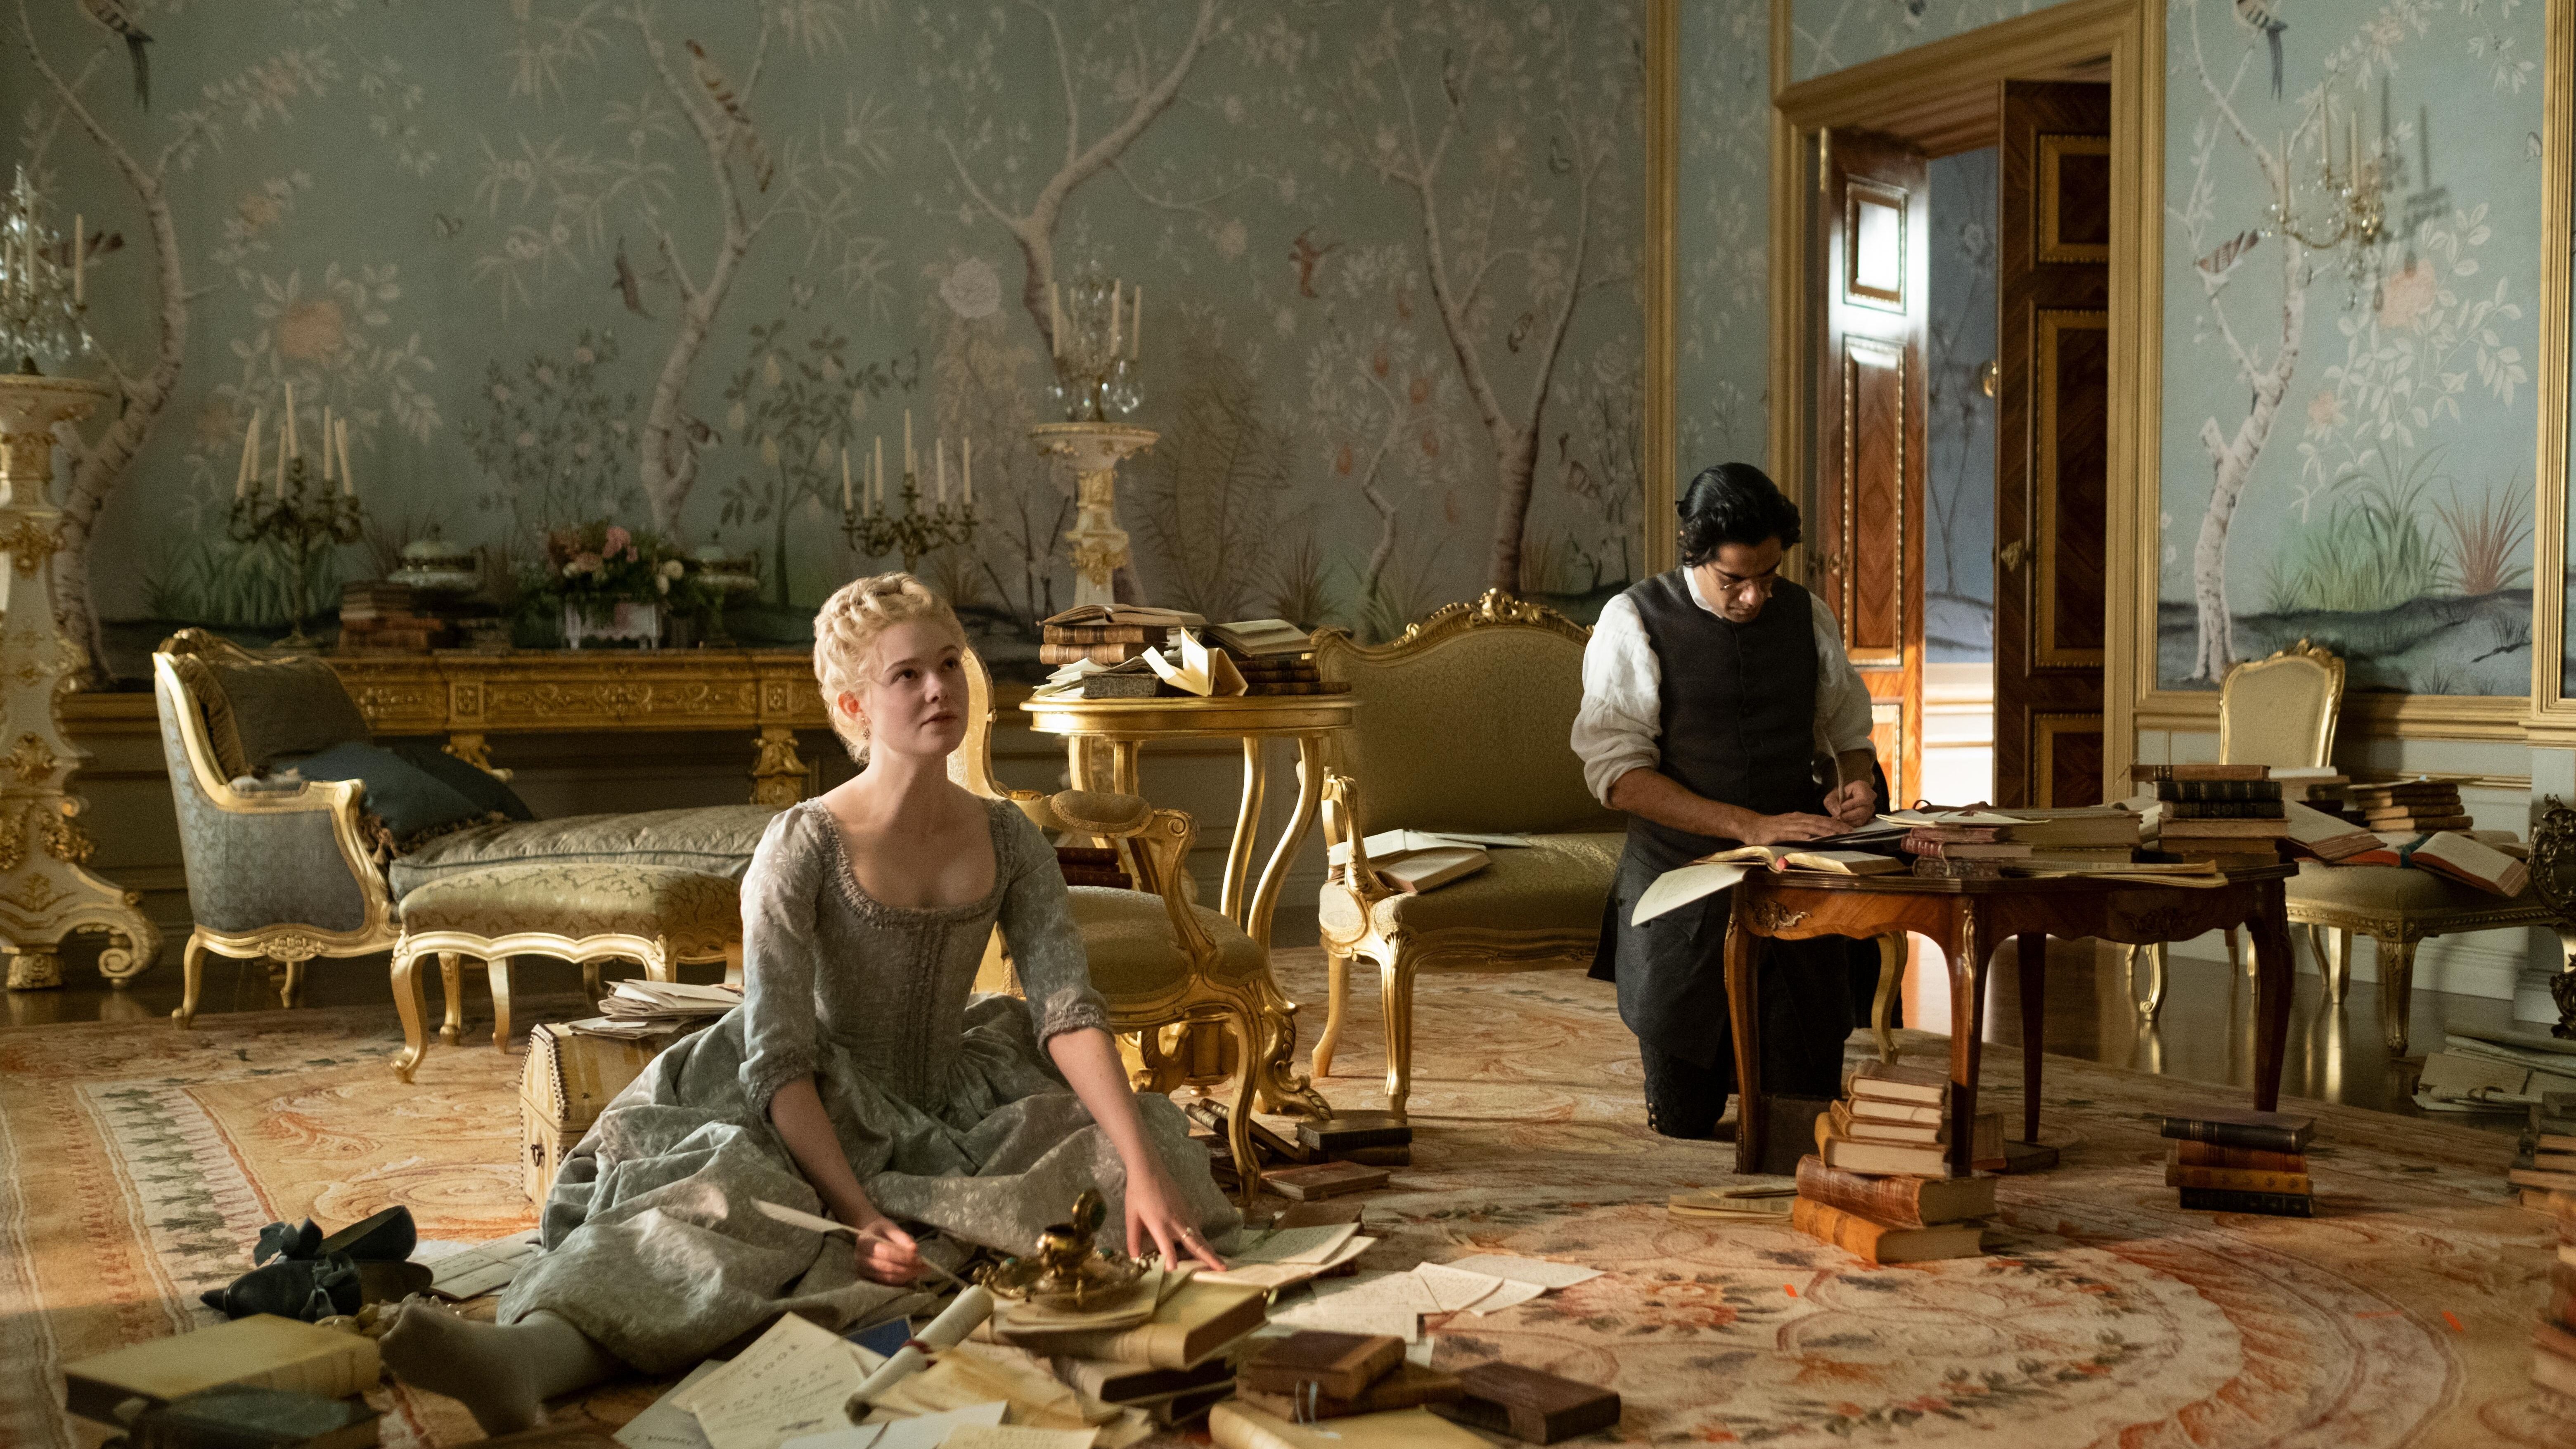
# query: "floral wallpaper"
[2349,432]
[659,261]
[1721,236]
[1830,35]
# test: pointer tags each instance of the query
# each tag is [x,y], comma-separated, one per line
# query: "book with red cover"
[1896,1202]
[2240,1159]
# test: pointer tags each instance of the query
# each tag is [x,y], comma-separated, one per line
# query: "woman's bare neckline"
[843,846]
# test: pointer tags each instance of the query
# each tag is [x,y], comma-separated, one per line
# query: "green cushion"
[260,710]
[407,800]
[487,790]
[2392,888]
[709,839]
[1128,937]
[1555,883]
[697,913]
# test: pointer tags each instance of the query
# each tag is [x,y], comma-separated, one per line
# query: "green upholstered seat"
[714,840]
[1556,882]
[578,901]
[1134,951]
[2391,888]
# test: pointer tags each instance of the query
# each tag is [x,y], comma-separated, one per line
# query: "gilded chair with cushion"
[2278,711]
[1464,724]
[302,838]
[1162,962]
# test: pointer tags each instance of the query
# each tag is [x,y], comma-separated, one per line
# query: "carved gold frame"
[2551,719]
[289,943]
[1347,908]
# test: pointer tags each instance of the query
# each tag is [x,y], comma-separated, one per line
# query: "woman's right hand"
[1790,829]
[887,1254]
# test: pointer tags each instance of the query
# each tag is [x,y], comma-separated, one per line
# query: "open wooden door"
[2053,283]
[1867,542]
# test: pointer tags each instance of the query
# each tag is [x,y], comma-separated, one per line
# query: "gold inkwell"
[1068,1271]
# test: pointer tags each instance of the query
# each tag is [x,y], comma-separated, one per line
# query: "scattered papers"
[961,1379]
[636,1008]
[792,1381]
[1019,1436]
[928,1431]
[666,1425]
[1393,1320]
[1538,1271]
[1510,1295]
[1202,671]
[483,1269]
[1456,1289]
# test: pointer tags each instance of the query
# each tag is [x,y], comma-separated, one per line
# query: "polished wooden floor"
[2205,1032]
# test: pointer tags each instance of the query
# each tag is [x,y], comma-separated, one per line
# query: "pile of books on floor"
[2553,1339]
[2544,1164]
[635,1008]
[2241,1162]
[2419,806]
[1305,1160]
[1880,1185]
[1987,844]
[261,1380]
[1360,1391]
[2508,1071]
[380,616]
[2226,815]
[1171,1356]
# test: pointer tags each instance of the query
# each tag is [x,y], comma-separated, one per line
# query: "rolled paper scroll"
[963,1316]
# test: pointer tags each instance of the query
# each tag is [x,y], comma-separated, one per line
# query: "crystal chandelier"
[44,285]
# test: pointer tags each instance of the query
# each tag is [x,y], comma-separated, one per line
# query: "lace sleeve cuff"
[1070,1011]
[763,1075]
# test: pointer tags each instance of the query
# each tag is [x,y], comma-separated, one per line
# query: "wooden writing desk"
[1967,918]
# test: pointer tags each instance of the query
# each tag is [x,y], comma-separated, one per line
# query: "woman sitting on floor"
[860,1075]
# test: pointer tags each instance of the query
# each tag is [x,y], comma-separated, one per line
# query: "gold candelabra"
[300,519]
[872,531]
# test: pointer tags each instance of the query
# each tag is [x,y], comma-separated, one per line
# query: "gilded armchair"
[1161,961]
[2278,711]
[1464,725]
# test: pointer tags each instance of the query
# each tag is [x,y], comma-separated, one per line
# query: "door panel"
[1868,517]
[2052,441]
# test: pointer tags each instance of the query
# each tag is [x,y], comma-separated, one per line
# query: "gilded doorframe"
[2551,719]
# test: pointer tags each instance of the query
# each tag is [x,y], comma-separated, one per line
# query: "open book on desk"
[1710,874]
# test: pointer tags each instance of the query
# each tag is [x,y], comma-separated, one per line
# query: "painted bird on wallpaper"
[627,286]
[1308,256]
[115,16]
[721,91]
[2264,15]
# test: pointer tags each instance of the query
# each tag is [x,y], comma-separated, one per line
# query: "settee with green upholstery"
[1463,725]
[286,864]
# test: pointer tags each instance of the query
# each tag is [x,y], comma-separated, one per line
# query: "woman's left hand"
[1153,1211]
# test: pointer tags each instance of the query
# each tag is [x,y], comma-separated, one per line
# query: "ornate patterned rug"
[136,1162]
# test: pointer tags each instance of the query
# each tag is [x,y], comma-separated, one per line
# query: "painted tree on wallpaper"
[2388,547]
[574,205]
[1502,205]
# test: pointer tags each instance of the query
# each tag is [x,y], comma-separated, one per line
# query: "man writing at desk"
[1709,693]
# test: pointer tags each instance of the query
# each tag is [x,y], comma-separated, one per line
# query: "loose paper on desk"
[482,1268]
[1535,1271]
[665,1425]
[928,1431]
[1684,884]
[792,1381]
[1275,1276]
[1202,671]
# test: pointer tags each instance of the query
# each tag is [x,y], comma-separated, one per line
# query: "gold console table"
[468,696]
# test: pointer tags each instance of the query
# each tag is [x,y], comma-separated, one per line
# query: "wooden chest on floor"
[568,1079]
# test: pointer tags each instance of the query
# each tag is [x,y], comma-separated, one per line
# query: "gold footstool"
[658,916]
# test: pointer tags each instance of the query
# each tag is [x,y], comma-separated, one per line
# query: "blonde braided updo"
[846,631]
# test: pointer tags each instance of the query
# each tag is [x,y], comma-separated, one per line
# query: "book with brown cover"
[1882,1244]
[1986,1150]
[1896,1202]
[1847,1123]
[263,1351]
[2270,1131]
[2240,1159]
[1235,1424]
[1409,1386]
[2144,773]
[1323,1180]
[2274,829]
[1339,1364]
[1880,1109]
[1192,1326]
[1113,1382]
[1527,1404]
[2472,862]
[2231,1179]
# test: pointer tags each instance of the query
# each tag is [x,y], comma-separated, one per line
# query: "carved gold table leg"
[2396,992]
[778,775]
[469,746]
[451,976]
[192,972]
[1274,876]
[1247,831]
[411,1001]
[498,969]
[2333,948]
[1337,973]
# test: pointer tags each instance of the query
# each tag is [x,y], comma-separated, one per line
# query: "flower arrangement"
[593,567]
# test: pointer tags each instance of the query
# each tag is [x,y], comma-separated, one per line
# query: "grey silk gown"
[945,1100]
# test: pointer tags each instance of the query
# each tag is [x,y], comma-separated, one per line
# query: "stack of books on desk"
[375,615]
[2416,805]
[2012,842]
[1880,1185]
[2241,1162]
[2228,821]
[1108,633]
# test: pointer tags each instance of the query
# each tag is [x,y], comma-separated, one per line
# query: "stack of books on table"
[2241,1162]
[2408,805]
[635,1008]
[375,615]
[1108,633]
[1985,844]
[1273,656]
[1880,1185]
[2227,815]
[2319,785]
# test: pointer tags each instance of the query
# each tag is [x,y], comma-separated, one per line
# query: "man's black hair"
[1733,503]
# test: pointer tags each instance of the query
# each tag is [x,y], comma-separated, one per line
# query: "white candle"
[282,425]
[1136,334]
[967,447]
[80,258]
[1055,322]
[340,440]
[329,470]
[880,473]
[845,480]
[250,475]
[241,475]
[939,461]
[909,467]
[291,443]
[1114,305]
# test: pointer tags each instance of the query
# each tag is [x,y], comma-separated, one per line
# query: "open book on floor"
[1710,874]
